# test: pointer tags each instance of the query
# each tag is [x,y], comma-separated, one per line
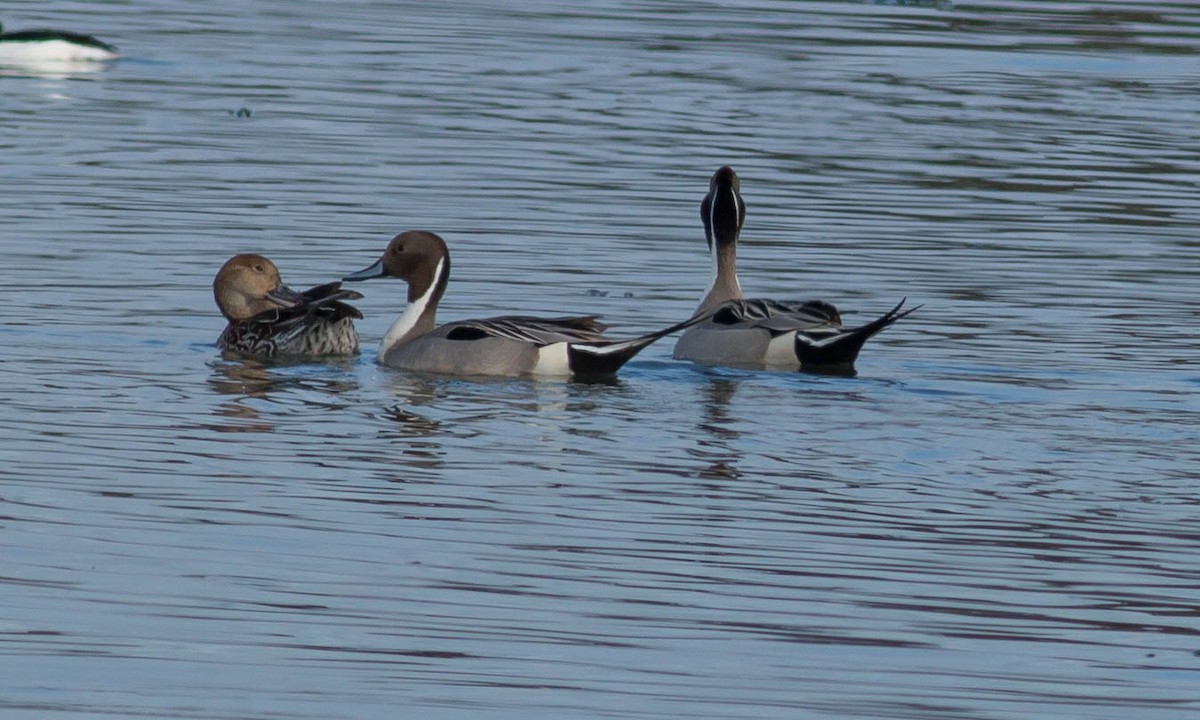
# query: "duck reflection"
[51,69]
[435,416]
[411,422]
[412,391]
[420,436]
[715,441]
[246,380]
[572,416]
[523,422]
[250,379]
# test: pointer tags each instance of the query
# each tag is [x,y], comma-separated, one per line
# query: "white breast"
[50,51]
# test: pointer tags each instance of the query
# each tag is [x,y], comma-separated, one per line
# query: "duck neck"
[420,315]
[724,285]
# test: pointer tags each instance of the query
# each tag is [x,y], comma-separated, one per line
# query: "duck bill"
[375,271]
[284,296]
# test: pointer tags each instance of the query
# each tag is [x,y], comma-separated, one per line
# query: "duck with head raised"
[42,45]
[269,319]
[757,332]
[511,345]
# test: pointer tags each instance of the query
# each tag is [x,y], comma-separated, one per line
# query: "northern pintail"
[756,332]
[52,45]
[268,319]
[511,345]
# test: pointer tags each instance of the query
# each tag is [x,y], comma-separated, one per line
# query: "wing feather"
[778,317]
[534,330]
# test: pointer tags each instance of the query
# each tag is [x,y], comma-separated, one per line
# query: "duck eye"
[398,249]
[259,268]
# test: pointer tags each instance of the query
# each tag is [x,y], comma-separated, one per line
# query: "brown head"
[418,257]
[249,284]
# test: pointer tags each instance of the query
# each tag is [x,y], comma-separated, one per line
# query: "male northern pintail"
[24,46]
[511,345]
[762,333]
[268,319]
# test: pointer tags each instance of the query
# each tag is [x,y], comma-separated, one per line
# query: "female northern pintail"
[267,318]
[25,46]
[763,333]
[511,345]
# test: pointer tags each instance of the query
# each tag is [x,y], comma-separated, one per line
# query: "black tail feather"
[841,350]
[605,359]
[608,358]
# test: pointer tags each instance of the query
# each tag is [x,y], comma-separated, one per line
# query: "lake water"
[997,519]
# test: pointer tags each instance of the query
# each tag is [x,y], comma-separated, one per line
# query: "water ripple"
[995,518]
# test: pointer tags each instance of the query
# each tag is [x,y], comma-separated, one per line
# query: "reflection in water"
[414,389]
[51,69]
[716,437]
[433,410]
[415,437]
[247,377]
[253,379]
[243,379]
[412,424]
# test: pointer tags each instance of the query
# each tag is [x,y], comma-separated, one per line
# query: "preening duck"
[758,332]
[512,345]
[269,319]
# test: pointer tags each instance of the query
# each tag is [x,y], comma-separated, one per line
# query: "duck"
[763,333]
[38,45]
[268,319]
[510,345]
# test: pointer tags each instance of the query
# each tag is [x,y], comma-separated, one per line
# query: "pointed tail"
[839,351]
[607,358]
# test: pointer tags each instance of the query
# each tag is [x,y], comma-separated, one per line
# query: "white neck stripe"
[404,324]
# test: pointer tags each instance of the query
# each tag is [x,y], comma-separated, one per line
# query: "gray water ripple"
[994,519]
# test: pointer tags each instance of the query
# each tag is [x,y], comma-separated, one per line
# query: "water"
[996,519]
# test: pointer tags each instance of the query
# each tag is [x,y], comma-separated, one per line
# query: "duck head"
[723,210]
[418,257]
[249,284]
